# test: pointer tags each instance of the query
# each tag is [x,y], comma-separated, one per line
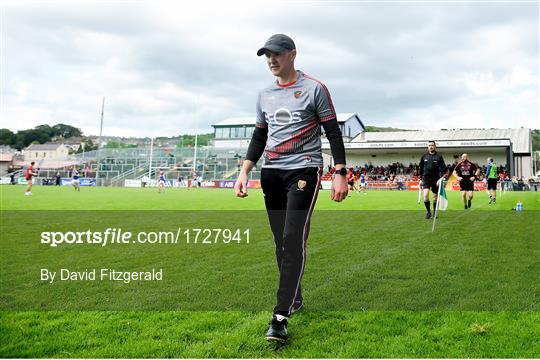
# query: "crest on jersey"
[301,184]
[297,94]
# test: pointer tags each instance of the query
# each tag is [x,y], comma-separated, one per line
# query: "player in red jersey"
[29,174]
[351,179]
[466,173]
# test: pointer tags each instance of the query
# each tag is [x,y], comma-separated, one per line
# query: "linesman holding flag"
[432,170]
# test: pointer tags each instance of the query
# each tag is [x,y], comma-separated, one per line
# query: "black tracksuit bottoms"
[290,197]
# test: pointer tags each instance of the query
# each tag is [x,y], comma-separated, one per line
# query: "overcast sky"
[174,68]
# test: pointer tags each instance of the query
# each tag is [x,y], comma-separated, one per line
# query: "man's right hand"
[240,187]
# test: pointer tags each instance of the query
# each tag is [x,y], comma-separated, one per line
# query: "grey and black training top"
[288,126]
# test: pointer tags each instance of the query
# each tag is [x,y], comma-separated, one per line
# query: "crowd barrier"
[221,184]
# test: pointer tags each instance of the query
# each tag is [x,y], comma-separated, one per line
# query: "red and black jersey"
[466,169]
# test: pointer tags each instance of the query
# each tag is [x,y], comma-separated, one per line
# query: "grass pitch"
[377,283]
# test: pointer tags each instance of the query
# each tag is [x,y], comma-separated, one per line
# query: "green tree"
[87,145]
[26,137]
[46,130]
[189,140]
[7,137]
[65,131]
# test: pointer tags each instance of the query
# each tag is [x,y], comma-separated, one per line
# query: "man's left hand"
[339,188]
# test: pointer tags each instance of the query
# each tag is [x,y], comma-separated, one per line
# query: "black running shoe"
[277,330]
[466,207]
[469,203]
[298,304]
[428,215]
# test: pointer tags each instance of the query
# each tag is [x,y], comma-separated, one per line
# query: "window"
[222,133]
[249,132]
[239,132]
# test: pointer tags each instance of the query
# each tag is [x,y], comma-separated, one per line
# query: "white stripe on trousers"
[304,235]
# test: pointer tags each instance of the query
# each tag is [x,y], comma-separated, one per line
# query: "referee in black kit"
[290,113]
[432,169]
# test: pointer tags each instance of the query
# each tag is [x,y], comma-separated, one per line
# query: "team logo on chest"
[297,94]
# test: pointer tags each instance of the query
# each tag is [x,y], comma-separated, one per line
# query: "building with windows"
[49,151]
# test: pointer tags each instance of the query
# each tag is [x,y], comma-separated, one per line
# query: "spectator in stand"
[401,183]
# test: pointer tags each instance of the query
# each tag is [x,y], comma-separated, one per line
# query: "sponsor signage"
[478,186]
[155,183]
[413,185]
[82,181]
[423,144]
[209,184]
[132,183]
[326,184]
[226,184]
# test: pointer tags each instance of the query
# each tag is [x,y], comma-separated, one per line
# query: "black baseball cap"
[277,44]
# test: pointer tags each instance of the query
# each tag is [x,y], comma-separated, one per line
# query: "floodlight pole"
[196,130]
[99,138]
[151,155]
[195,154]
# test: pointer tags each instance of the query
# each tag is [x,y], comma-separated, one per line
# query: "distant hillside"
[383,129]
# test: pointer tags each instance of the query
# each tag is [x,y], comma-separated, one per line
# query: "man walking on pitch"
[432,169]
[492,175]
[466,173]
[290,113]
